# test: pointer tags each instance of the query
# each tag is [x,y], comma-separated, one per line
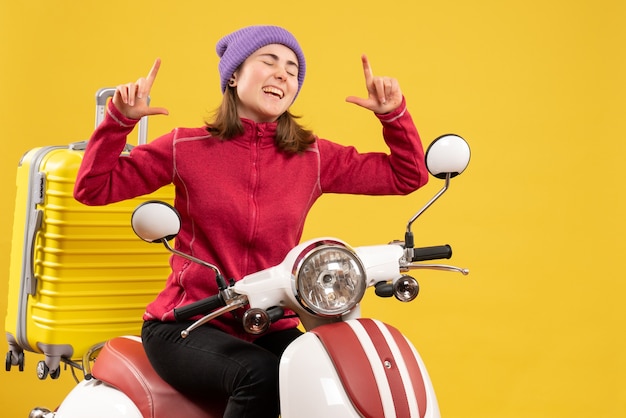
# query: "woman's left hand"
[384,94]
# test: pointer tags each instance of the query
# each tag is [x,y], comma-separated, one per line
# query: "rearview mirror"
[446,157]
[447,154]
[155,221]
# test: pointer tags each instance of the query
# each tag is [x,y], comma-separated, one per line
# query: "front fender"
[355,368]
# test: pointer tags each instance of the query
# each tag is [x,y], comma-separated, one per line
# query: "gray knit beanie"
[234,48]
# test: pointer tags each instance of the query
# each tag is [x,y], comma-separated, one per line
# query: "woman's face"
[267,83]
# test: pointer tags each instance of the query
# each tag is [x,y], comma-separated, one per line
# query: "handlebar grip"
[201,307]
[432,253]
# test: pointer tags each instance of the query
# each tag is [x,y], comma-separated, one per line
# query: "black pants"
[212,363]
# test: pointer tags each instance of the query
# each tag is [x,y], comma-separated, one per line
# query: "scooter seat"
[123,363]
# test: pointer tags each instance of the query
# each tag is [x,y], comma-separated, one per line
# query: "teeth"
[273,90]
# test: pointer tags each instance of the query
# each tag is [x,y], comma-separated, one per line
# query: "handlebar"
[204,306]
[201,307]
[387,289]
[436,252]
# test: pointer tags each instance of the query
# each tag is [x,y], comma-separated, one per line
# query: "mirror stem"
[221,282]
[408,236]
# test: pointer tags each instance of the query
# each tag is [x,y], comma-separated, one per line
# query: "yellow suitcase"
[78,275]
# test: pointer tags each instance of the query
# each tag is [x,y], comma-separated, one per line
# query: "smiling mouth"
[274,92]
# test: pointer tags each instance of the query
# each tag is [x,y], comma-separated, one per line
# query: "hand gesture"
[383,93]
[132,99]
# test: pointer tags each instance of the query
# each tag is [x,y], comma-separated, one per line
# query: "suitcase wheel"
[14,360]
[43,371]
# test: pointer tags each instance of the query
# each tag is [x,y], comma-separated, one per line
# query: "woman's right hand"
[132,99]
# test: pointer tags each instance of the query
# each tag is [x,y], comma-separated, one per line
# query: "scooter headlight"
[328,278]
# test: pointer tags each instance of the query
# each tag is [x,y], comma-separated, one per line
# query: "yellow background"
[536,87]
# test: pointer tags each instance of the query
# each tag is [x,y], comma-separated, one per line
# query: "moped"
[344,365]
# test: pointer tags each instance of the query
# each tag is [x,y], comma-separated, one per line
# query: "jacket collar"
[263,132]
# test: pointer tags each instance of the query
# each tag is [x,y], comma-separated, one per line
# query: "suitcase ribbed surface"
[92,276]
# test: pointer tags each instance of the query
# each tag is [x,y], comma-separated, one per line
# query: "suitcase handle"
[102,95]
[30,280]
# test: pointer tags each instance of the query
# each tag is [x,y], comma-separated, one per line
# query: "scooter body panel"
[353,369]
[309,384]
[96,399]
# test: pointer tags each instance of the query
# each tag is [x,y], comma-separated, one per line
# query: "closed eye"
[271,59]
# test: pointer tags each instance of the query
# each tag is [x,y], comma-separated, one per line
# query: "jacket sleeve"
[107,175]
[403,170]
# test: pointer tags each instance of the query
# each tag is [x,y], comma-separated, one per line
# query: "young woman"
[244,185]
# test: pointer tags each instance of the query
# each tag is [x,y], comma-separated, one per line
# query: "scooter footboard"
[358,368]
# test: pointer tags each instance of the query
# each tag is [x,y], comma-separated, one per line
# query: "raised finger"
[153,72]
[367,70]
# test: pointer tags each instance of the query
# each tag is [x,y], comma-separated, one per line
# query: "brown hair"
[290,135]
